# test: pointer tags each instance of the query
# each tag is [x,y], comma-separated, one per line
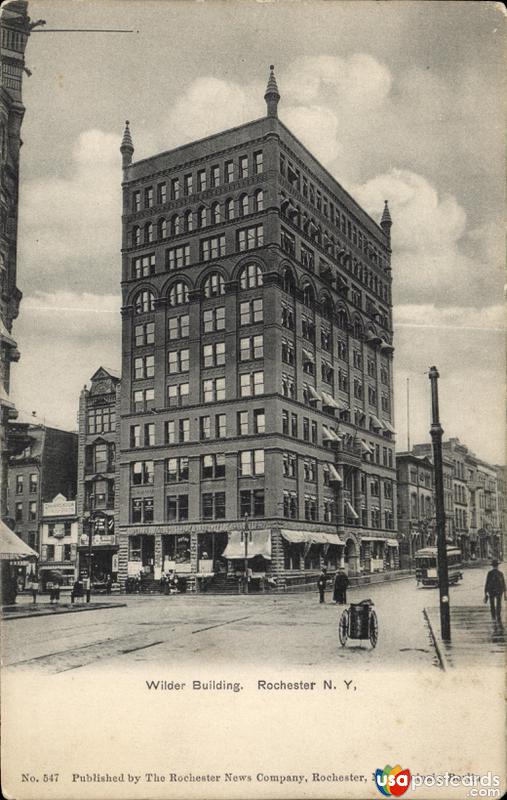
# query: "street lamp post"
[436,432]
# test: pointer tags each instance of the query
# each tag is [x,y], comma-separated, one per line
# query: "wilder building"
[256,364]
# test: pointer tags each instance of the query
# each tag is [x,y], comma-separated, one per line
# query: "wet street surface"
[293,630]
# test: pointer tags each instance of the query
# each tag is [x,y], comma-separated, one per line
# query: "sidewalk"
[25,610]
[475,638]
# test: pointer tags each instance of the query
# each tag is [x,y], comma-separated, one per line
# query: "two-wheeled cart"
[359,621]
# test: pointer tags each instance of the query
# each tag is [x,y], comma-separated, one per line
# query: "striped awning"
[311,537]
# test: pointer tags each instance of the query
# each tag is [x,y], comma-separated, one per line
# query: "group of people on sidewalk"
[340,586]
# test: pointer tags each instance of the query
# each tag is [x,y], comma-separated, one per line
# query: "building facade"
[257,382]
[96,493]
[59,540]
[14,31]
[46,467]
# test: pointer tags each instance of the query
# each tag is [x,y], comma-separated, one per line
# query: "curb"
[436,644]
[48,613]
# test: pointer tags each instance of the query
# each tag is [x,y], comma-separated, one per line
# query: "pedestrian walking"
[494,589]
[321,584]
[341,583]
[34,587]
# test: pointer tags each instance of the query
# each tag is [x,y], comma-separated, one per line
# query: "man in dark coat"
[341,583]
[494,589]
[321,584]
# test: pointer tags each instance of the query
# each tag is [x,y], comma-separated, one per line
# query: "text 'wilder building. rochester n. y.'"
[257,381]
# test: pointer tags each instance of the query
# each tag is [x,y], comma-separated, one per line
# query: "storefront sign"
[59,507]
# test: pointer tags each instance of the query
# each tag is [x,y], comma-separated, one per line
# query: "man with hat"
[494,589]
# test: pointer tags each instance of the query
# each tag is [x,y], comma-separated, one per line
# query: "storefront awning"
[372,539]
[259,544]
[387,425]
[312,537]
[393,543]
[352,511]
[334,475]
[314,394]
[12,548]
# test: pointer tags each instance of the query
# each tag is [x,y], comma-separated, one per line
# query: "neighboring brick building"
[46,467]
[58,541]
[96,496]
[257,377]
[14,32]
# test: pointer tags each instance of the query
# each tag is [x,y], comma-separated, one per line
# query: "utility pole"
[89,578]
[436,432]
[408,415]
[246,534]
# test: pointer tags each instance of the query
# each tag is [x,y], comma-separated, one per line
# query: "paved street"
[293,630]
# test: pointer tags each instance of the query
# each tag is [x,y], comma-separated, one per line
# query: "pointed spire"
[272,95]
[127,146]
[386,221]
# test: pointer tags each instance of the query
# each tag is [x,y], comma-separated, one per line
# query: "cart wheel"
[373,628]
[343,627]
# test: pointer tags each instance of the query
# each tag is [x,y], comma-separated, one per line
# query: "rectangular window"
[285,422]
[19,484]
[287,317]
[184,430]
[148,197]
[288,242]
[251,312]
[287,351]
[101,420]
[179,327]
[143,266]
[176,469]
[250,238]
[251,347]
[290,505]
[213,466]
[251,384]
[251,502]
[144,367]
[32,510]
[170,432]
[306,429]
[294,425]
[177,507]
[136,201]
[213,505]
[289,465]
[175,188]
[214,319]
[34,483]
[149,434]
[142,473]
[51,552]
[205,428]
[258,162]
[135,436]
[259,420]
[243,427]
[243,166]
[229,171]
[213,355]
[213,390]
[178,394]
[215,176]
[327,372]
[188,184]
[288,385]
[144,399]
[212,248]
[177,257]
[177,361]
[162,193]
[144,334]
[201,180]
[251,462]
[220,426]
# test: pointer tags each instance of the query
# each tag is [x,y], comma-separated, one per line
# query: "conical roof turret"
[272,95]
[127,146]
[386,221]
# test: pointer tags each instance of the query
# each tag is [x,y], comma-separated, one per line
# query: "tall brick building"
[257,381]
[96,494]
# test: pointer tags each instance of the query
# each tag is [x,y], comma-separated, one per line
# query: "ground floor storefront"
[226,557]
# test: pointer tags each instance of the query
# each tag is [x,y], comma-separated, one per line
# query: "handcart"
[359,621]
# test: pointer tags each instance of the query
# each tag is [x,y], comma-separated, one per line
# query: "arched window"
[148,232]
[358,329]
[288,283]
[243,205]
[229,208]
[136,235]
[175,225]
[201,217]
[259,200]
[342,319]
[308,296]
[215,213]
[189,221]
[214,285]
[327,307]
[162,228]
[178,294]
[144,302]
[250,277]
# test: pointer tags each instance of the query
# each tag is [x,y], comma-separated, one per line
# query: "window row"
[210,427]
[33,483]
[213,506]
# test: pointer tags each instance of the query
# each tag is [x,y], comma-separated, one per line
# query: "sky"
[398,100]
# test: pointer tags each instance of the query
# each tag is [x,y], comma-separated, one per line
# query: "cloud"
[429,243]
[317,127]
[71,225]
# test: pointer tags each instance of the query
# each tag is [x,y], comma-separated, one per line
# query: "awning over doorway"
[312,537]
[259,544]
[12,548]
